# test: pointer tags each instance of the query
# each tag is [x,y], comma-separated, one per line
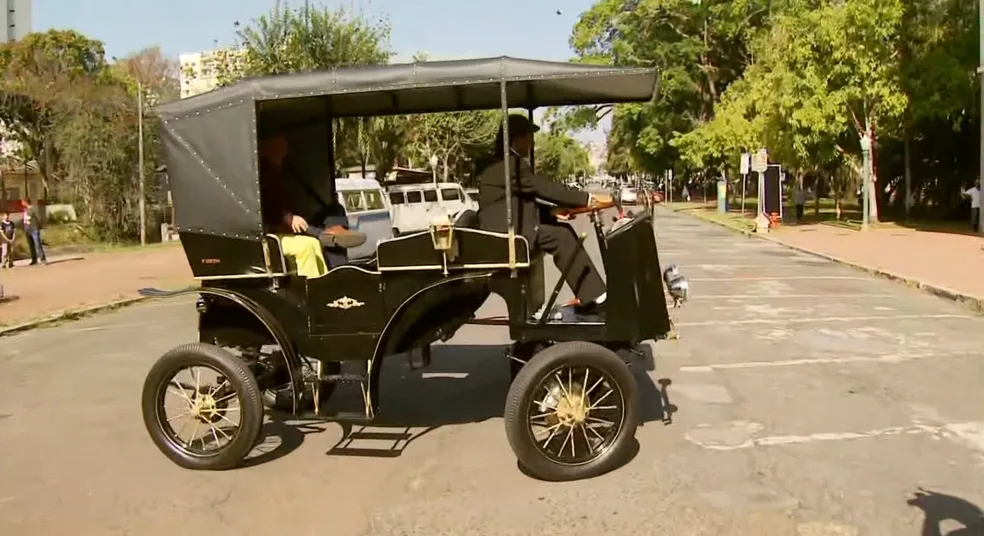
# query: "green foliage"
[803,78]
[560,156]
[75,116]
[697,62]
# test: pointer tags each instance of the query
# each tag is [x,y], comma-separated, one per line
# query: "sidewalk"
[943,262]
[942,259]
[74,282]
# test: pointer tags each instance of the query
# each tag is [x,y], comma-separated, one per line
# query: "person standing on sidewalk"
[975,205]
[800,202]
[32,228]
[6,241]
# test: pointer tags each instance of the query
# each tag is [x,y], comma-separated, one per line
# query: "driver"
[542,231]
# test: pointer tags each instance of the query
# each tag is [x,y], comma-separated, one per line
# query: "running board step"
[344,378]
[373,443]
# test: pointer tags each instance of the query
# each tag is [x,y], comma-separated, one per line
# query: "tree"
[37,70]
[700,48]
[75,116]
[449,136]
[157,74]
[560,156]
[95,135]
[301,39]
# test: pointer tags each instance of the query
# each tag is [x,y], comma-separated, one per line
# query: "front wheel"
[572,412]
[202,407]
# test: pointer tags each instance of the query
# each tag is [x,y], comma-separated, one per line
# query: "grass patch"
[69,238]
[708,211]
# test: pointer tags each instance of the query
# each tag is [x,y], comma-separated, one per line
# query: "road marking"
[786,296]
[703,436]
[753,321]
[784,278]
[453,375]
[890,358]
[723,267]
[141,325]
[724,254]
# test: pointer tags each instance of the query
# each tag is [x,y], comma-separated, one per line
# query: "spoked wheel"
[202,407]
[572,412]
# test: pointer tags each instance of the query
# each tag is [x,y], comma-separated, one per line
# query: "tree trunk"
[908,173]
[873,183]
[816,194]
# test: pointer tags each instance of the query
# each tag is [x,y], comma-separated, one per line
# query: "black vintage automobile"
[270,338]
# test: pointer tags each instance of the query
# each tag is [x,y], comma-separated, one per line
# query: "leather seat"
[466,219]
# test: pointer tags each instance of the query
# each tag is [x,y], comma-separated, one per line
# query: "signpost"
[746,161]
[760,163]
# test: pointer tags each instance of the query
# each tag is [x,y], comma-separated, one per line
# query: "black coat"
[527,188]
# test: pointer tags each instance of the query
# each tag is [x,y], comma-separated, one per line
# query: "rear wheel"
[572,412]
[202,407]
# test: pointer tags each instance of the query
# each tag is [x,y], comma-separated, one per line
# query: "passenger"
[332,233]
[280,217]
[542,230]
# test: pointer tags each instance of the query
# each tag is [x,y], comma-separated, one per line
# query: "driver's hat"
[520,125]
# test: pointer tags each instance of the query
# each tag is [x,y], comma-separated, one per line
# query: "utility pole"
[980,72]
[140,164]
[866,180]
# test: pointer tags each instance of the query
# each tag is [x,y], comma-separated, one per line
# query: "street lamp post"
[433,163]
[140,163]
[980,72]
[865,180]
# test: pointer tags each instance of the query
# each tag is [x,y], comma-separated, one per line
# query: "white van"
[368,212]
[415,206]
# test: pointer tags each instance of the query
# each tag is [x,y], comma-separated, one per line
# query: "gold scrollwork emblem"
[345,303]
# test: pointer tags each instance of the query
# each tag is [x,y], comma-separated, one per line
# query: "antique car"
[270,338]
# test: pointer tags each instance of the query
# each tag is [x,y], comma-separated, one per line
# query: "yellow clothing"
[307,254]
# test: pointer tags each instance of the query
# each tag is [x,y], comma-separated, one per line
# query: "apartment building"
[200,71]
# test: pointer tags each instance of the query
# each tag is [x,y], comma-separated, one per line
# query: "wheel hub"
[205,408]
[570,407]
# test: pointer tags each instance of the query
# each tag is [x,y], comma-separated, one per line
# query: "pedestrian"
[32,229]
[7,234]
[975,205]
[800,202]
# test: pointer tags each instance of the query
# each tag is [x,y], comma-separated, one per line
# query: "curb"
[69,314]
[975,303]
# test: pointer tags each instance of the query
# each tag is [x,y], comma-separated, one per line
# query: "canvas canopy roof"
[210,139]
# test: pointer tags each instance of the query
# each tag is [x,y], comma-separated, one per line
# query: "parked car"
[415,206]
[628,196]
[368,212]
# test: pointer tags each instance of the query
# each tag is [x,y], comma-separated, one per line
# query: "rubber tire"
[522,390]
[239,375]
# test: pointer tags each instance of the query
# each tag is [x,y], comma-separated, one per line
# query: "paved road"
[809,400]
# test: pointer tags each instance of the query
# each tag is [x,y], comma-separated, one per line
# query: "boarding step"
[344,378]
[377,442]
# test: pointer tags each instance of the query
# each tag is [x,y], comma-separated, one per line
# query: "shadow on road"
[464,384]
[939,507]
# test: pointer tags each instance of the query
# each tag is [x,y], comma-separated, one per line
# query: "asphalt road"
[808,400]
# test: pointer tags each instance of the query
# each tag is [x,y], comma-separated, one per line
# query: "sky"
[445,29]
